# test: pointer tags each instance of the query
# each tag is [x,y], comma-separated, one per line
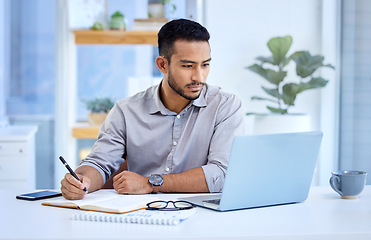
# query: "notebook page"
[120,203]
[89,199]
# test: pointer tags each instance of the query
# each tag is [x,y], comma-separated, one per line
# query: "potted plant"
[156,8]
[98,26]
[282,94]
[98,109]
[117,21]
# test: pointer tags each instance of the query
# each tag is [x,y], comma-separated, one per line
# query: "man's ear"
[162,64]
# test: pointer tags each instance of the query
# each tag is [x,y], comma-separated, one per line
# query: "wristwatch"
[156,180]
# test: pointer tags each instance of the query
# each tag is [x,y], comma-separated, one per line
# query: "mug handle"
[334,183]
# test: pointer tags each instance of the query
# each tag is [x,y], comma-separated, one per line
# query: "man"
[175,137]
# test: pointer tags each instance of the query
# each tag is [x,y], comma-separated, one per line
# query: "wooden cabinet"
[17,157]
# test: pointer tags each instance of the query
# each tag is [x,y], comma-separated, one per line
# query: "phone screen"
[39,195]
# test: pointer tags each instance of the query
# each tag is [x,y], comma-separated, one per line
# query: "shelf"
[115,37]
[85,131]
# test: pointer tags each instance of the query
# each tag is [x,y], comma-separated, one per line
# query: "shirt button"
[175,143]
[167,169]
[178,116]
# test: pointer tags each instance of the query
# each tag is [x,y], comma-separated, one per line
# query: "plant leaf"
[277,110]
[98,104]
[289,92]
[293,56]
[272,91]
[296,54]
[306,64]
[313,83]
[329,65]
[262,99]
[279,46]
[266,59]
[268,74]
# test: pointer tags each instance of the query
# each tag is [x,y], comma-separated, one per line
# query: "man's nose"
[197,74]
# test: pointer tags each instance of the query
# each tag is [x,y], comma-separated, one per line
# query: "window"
[30,75]
[355,119]
[32,57]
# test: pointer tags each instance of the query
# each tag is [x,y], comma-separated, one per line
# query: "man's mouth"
[195,86]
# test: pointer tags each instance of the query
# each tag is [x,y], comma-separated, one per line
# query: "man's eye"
[206,64]
[187,66]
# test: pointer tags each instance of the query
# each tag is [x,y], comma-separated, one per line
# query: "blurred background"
[46,76]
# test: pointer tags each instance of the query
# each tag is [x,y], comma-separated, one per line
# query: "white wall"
[239,32]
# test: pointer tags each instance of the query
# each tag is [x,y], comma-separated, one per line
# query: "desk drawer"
[13,168]
[13,148]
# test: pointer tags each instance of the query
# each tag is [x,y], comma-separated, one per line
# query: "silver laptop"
[266,170]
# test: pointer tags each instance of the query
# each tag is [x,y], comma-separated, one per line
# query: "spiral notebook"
[170,218]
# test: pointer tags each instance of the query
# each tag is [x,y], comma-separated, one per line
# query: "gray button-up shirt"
[155,140]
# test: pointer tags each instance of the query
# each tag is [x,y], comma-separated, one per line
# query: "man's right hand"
[72,188]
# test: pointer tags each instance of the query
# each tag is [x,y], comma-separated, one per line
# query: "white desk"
[323,216]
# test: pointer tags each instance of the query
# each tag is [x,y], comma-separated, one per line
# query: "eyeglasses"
[163,205]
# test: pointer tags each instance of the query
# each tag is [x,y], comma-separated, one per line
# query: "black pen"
[70,170]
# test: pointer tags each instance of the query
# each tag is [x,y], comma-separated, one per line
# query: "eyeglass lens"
[169,204]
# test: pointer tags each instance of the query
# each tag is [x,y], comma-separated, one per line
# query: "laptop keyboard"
[213,201]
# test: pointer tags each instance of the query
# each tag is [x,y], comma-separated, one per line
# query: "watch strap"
[156,189]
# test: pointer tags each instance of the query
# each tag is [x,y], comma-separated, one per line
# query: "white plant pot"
[277,123]
[156,10]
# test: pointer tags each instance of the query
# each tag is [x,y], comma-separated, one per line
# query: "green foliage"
[117,14]
[164,1]
[97,26]
[99,105]
[281,93]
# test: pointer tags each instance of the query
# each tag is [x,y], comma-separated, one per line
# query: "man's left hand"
[128,182]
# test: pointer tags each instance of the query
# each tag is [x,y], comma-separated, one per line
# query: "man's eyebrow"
[189,61]
[208,60]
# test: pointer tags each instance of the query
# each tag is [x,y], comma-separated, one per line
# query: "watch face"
[156,180]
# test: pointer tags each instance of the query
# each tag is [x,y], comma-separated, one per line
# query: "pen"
[70,170]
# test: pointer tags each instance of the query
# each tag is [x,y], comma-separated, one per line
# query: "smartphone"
[39,195]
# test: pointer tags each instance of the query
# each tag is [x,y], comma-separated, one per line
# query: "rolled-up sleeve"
[229,123]
[107,152]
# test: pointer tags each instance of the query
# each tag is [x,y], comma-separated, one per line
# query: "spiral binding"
[138,217]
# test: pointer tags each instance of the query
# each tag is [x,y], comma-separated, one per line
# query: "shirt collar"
[201,100]
[158,106]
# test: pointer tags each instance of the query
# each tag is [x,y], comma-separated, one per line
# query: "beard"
[175,86]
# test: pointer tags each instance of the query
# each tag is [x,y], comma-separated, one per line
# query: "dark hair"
[180,29]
